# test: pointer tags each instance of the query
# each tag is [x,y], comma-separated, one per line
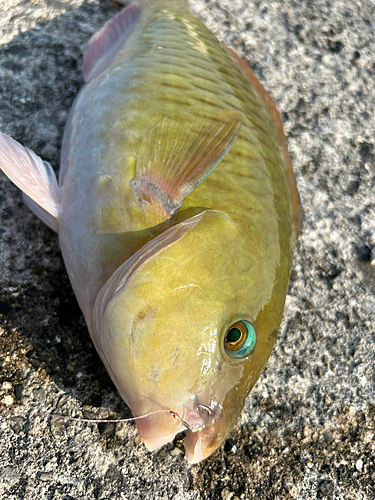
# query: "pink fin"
[43,215]
[31,174]
[105,44]
[179,153]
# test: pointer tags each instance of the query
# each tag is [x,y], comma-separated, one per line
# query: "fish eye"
[240,339]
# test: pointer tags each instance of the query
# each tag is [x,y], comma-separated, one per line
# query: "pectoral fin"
[32,175]
[105,44]
[178,154]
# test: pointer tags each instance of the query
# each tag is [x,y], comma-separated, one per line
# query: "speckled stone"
[309,422]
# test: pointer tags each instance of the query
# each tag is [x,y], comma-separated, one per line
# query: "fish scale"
[250,155]
[145,88]
[177,216]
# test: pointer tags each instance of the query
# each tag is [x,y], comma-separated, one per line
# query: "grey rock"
[9,475]
[309,422]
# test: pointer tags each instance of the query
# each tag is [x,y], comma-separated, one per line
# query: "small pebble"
[49,152]
[8,400]
[175,452]
[4,104]
[359,465]
[62,117]
[10,475]
[7,385]
[41,41]
[227,495]
[326,488]
[306,431]
[137,440]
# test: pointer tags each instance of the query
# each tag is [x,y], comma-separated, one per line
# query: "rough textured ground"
[307,430]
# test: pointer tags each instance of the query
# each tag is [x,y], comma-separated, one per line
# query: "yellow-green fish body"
[177,216]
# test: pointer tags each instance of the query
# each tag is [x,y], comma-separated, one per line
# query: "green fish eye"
[240,339]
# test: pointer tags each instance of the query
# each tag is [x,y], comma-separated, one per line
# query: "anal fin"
[32,175]
[179,153]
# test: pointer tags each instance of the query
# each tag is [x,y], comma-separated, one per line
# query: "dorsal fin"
[275,115]
[179,153]
[105,44]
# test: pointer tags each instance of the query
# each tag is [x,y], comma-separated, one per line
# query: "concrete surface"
[307,430]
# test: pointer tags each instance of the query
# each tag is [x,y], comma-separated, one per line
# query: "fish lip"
[191,419]
[202,416]
[200,444]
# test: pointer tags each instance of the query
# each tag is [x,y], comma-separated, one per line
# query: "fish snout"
[203,431]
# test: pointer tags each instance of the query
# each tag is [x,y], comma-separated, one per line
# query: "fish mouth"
[200,440]
[196,420]
[199,423]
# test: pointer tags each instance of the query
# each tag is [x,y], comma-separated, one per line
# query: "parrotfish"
[177,215]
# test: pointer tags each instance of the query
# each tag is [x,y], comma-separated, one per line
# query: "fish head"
[180,328]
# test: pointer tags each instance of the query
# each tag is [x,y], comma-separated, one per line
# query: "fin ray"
[42,214]
[31,174]
[176,156]
[104,45]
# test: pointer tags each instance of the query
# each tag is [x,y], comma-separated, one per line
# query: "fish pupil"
[240,339]
[234,335]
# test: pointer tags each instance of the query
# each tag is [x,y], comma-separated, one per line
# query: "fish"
[177,215]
